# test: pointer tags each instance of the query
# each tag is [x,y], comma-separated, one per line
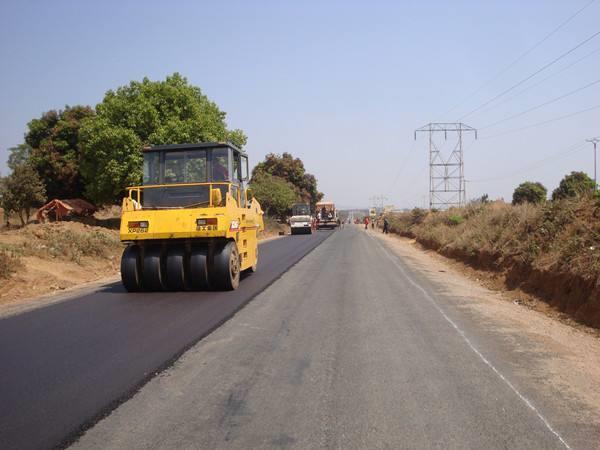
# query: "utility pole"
[595,142]
[377,201]
[446,171]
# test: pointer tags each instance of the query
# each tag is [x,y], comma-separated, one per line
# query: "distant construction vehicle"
[301,221]
[327,217]
[193,223]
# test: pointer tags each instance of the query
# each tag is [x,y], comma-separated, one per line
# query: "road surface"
[350,349]
[65,365]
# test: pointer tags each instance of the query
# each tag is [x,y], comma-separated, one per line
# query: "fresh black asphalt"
[66,365]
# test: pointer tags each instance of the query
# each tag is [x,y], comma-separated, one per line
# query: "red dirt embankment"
[45,258]
[42,258]
[551,251]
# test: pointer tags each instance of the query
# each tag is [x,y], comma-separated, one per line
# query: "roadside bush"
[276,196]
[531,192]
[576,184]
[454,220]
[21,191]
[418,215]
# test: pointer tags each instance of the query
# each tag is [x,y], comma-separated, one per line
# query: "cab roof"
[200,145]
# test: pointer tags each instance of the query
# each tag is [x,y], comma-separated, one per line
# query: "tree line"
[575,184]
[95,153]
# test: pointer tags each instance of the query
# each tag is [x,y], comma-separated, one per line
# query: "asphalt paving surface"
[350,349]
[64,366]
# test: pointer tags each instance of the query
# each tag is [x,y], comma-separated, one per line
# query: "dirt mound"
[41,258]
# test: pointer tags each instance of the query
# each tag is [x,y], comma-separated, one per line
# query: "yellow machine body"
[193,224]
[229,221]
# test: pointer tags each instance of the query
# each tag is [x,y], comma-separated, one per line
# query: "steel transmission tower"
[377,201]
[446,171]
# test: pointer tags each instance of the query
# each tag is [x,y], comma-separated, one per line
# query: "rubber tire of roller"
[153,278]
[130,269]
[222,276]
[176,269]
[198,278]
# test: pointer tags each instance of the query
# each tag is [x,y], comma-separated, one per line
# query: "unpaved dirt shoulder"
[29,303]
[42,281]
[571,352]
[46,260]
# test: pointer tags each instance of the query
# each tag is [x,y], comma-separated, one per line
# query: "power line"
[538,124]
[531,86]
[571,149]
[554,61]
[408,193]
[520,57]
[560,97]
[404,160]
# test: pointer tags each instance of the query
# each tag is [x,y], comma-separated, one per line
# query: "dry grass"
[563,236]
[552,250]
[68,241]
[9,264]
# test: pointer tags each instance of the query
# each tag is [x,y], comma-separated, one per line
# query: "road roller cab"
[301,220]
[193,223]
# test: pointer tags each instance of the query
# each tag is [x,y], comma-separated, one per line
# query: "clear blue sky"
[340,84]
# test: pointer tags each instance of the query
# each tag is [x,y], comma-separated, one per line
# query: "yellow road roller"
[193,223]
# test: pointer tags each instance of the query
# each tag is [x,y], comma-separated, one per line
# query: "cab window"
[185,167]
[236,166]
[151,168]
[220,164]
[196,167]
[235,191]
[174,167]
[244,164]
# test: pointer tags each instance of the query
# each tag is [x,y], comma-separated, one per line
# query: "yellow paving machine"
[193,223]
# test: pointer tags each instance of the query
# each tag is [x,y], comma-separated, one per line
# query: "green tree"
[529,192]
[291,169]
[18,156]
[574,185]
[139,114]
[21,191]
[55,150]
[276,195]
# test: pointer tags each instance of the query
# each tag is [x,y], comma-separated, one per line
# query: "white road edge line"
[471,346]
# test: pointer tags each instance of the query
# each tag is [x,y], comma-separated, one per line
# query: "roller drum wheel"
[176,269]
[226,270]
[153,275]
[254,267]
[130,269]
[198,274]
[251,269]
